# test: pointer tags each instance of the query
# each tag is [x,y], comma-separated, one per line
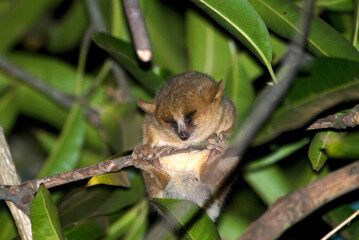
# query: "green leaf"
[89,157]
[56,73]
[17,18]
[344,146]
[90,229]
[316,150]
[355,30]
[335,5]
[243,22]
[322,84]
[46,139]
[340,214]
[124,54]
[280,48]
[282,17]
[85,203]
[130,225]
[208,48]
[7,226]
[115,179]
[118,22]
[123,197]
[45,222]
[238,85]
[166,30]
[250,65]
[65,35]
[82,203]
[279,154]
[122,123]
[65,154]
[185,214]
[269,183]
[232,226]
[61,76]
[307,175]
[214,53]
[8,109]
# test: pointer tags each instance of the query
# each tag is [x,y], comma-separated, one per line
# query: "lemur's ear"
[148,107]
[219,90]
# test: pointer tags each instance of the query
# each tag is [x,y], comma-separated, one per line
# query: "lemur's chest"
[184,163]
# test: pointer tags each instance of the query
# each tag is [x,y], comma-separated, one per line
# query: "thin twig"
[340,226]
[138,29]
[350,119]
[96,16]
[355,32]
[84,49]
[104,71]
[33,82]
[9,176]
[62,99]
[117,70]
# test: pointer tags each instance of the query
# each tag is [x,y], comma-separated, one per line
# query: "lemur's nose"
[183,135]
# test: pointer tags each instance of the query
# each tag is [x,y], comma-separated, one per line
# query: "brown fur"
[181,95]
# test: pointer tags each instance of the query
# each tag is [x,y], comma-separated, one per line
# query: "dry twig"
[340,226]
[138,29]
[349,119]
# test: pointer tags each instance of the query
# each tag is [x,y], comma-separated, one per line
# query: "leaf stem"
[272,74]
[86,41]
[356,24]
[340,226]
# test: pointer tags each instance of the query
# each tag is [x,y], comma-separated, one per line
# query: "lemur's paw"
[144,152]
[218,145]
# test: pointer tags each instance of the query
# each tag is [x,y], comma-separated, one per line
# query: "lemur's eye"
[173,123]
[188,117]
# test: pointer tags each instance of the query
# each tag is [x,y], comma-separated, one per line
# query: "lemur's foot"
[218,145]
[145,155]
[143,152]
[159,151]
[224,135]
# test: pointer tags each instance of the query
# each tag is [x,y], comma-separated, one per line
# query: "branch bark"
[350,119]
[290,209]
[22,195]
[138,29]
[9,176]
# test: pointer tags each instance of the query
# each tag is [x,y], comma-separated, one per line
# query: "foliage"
[239,41]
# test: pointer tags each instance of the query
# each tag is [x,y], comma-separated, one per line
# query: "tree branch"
[22,195]
[342,121]
[9,176]
[290,209]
